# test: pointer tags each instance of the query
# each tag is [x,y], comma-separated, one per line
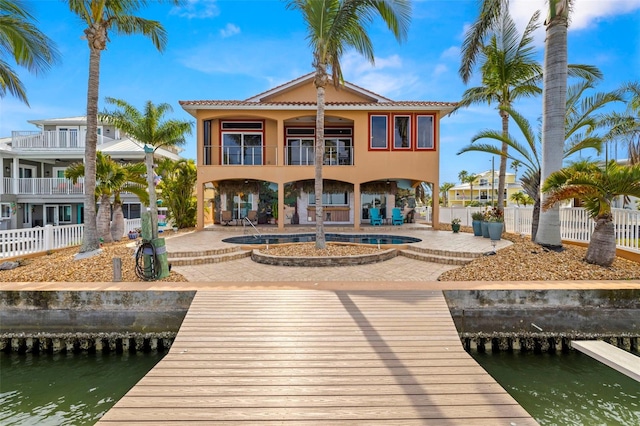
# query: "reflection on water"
[566,389]
[66,389]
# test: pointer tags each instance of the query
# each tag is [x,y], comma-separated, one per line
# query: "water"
[307,238]
[73,389]
[566,389]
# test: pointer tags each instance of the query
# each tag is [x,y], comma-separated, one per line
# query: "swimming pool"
[306,238]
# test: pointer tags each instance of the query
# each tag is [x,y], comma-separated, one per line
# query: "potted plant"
[477,218]
[455,224]
[495,224]
[133,234]
[485,224]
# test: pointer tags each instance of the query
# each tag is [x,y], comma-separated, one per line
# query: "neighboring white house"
[34,191]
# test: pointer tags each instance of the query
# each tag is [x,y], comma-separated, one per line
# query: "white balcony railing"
[42,186]
[51,139]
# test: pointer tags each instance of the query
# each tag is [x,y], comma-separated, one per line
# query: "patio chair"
[252,216]
[396,216]
[226,217]
[374,217]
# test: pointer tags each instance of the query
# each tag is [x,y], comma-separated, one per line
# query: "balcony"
[60,140]
[269,155]
[42,186]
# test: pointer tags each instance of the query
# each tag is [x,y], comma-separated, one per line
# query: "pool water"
[306,238]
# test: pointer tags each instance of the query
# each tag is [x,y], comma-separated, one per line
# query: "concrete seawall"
[544,320]
[95,321]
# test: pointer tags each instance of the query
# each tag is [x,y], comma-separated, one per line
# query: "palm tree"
[509,72]
[515,165]
[333,26]
[444,189]
[178,186]
[470,180]
[627,125]
[581,115]
[149,128]
[597,187]
[101,16]
[111,179]
[28,47]
[554,88]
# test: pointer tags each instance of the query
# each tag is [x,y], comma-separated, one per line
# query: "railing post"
[48,237]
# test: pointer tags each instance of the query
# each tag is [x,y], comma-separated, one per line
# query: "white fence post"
[48,237]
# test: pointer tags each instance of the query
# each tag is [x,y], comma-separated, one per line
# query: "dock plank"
[616,358]
[322,357]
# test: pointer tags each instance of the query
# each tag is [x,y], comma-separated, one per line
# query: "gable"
[303,90]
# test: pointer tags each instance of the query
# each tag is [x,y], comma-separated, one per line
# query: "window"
[300,152]
[132,210]
[242,147]
[339,199]
[402,132]
[379,132]
[206,139]
[5,211]
[64,214]
[424,131]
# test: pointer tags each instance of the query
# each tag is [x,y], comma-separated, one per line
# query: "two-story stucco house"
[484,190]
[373,146]
[34,191]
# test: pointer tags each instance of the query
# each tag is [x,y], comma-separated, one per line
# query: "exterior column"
[200,206]
[435,214]
[357,202]
[279,147]
[280,206]
[15,172]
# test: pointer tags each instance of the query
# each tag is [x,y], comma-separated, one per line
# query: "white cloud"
[585,13]
[439,70]
[229,30]
[197,9]
[451,53]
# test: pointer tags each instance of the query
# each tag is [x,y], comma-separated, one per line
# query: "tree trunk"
[553,115]
[320,83]
[535,218]
[153,205]
[602,246]
[117,222]
[90,241]
[104,219]
[502,174]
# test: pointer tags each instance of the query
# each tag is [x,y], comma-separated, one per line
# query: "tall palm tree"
[554,88]
[334,26]
[509,72]
[581,120]
[150,128]
[111,179]
[597,187]
[100,17]
[470,179]
[515,165]
[444,189]
[626,126]
[28,47]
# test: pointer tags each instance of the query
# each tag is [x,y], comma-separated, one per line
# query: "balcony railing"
[52,139]
[42,186]
[269,155]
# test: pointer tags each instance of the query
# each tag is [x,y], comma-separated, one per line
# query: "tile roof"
[336,105]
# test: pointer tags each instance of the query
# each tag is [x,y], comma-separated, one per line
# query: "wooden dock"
[318,357]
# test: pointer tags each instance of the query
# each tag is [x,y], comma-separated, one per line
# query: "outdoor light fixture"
[246,181]
[7,170]
[46,173]
[388,182]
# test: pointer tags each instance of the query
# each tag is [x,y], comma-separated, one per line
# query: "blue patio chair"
[396,216]
[374,217]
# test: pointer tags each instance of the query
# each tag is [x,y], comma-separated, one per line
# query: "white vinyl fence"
[575,223]
[18,242]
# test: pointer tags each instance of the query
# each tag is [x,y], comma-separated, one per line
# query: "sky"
[234,49]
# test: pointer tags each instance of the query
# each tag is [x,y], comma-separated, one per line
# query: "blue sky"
[234,49]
